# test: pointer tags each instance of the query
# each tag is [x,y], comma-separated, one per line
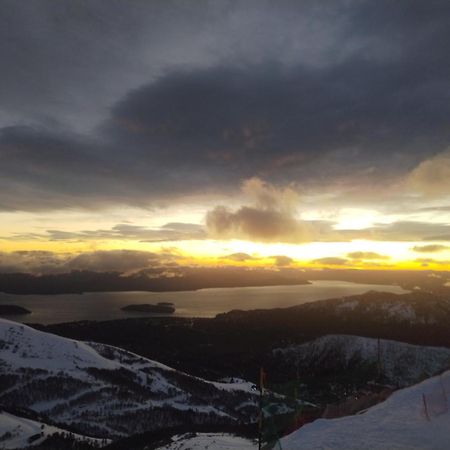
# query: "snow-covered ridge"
[22,345]
[209,441]
[402,422]
[17,432]
[401,364]
[413,307]
[105,391]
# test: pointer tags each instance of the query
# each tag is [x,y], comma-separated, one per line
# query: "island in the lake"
[160,308]
[13,310]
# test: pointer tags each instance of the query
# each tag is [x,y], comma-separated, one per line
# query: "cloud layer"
[146,104]
[123,261]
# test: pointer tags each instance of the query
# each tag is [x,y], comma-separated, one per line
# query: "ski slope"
[17,432]
[105,391]
[399,423]
[209,441]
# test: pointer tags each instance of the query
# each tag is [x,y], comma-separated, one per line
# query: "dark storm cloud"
[65,63]
[277,122]
[302,92]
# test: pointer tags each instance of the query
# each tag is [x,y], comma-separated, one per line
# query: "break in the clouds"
[107,104]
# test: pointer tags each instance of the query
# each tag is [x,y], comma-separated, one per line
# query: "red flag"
[262,379]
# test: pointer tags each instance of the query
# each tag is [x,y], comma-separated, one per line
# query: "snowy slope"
[105,391]
[25,346]
[401,364]
[209,441]
[399,423]
[16,432]
[385,307]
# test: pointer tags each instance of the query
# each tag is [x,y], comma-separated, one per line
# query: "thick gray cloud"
[124,261]
[255,224]
[114,261]
[106,103]
[31,261]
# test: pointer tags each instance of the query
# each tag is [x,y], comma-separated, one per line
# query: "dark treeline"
[192,278]
[78,282]
[154,439]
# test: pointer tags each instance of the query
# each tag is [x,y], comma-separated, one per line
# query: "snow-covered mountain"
[400,364]
[385,307]
[414,418]
[209,441]
[402,422]
[413,308]
[17,432]
[104,391]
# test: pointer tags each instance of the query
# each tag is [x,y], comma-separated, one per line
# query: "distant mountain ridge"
[415,317]
[414,307]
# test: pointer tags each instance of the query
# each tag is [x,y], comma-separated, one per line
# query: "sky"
[139,134]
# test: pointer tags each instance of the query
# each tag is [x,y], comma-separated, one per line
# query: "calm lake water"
[47,309]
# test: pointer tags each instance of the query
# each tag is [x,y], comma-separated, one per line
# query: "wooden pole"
[261,393]
[379,358]
[425,407]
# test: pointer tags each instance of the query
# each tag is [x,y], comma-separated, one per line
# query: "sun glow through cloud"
[186,142]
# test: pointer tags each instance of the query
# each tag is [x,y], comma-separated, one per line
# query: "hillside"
[209,441]
[104,391]
[415,317]
[398,363]
[17,432]
[415,308]
[400,423]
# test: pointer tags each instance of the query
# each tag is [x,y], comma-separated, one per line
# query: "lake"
[48,309]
